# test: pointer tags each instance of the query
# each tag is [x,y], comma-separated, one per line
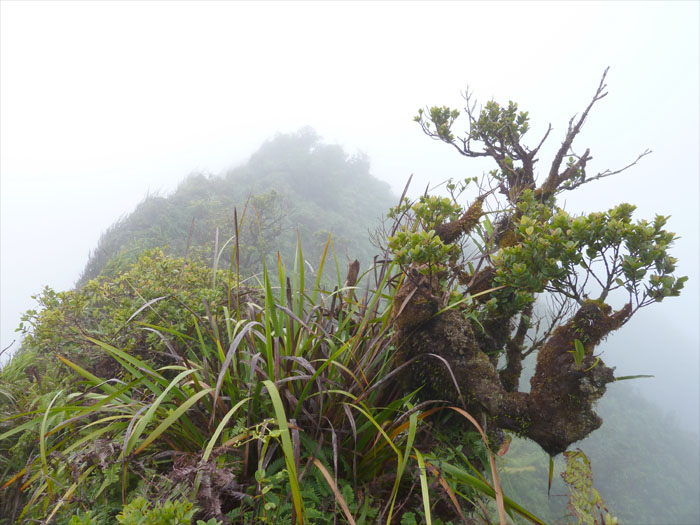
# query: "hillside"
[644,465]
[155,372]
[293,183]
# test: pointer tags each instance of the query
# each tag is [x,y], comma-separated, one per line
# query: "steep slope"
[645,465]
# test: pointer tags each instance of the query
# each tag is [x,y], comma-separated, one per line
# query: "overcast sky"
[103,102]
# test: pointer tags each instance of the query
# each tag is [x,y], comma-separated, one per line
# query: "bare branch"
[534,151]
[554,179]
[7,347]
[558,309]
[606,173]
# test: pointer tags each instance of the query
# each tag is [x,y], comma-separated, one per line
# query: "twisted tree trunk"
[556,412]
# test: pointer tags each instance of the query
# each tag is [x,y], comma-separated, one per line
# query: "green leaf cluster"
[141,512]
[418,243]
[154,289]
[432,210]
[423,249]
[503,125]
[441,117]
[608,250]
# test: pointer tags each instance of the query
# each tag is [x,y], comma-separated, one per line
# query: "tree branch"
[606,173]
[553,180]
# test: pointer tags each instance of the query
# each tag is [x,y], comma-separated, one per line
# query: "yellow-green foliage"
[585,503]
[553,245]
[103,306]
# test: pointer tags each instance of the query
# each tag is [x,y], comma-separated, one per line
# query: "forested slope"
[293,182]
[644,465]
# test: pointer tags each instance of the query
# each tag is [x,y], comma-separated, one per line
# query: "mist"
[103,103]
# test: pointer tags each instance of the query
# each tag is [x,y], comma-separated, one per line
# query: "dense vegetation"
[171,387]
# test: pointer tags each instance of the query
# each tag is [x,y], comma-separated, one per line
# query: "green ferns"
[141,512]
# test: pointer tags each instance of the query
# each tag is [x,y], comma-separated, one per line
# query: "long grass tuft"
[281,407]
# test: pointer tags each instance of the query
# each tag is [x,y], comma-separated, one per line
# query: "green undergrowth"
[248,382]
[173,388]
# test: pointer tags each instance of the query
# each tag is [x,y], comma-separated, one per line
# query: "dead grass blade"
[492,461]
[448,489]
[338,496]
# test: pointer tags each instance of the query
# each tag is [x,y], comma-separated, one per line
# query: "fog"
[104,102]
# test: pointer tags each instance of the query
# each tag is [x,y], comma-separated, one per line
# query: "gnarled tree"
[466,307]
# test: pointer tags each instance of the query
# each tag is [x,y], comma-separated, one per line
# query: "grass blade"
[477,484]
[167,422]
[492,461]
[69,493]
[148,416]
[96,381]
[286,448]
[227,361]
[423,487]
[336,492]
[627,378]
[450,493]
[42,445]
[149,303]
[413,423]
[319,273]
[220,428]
